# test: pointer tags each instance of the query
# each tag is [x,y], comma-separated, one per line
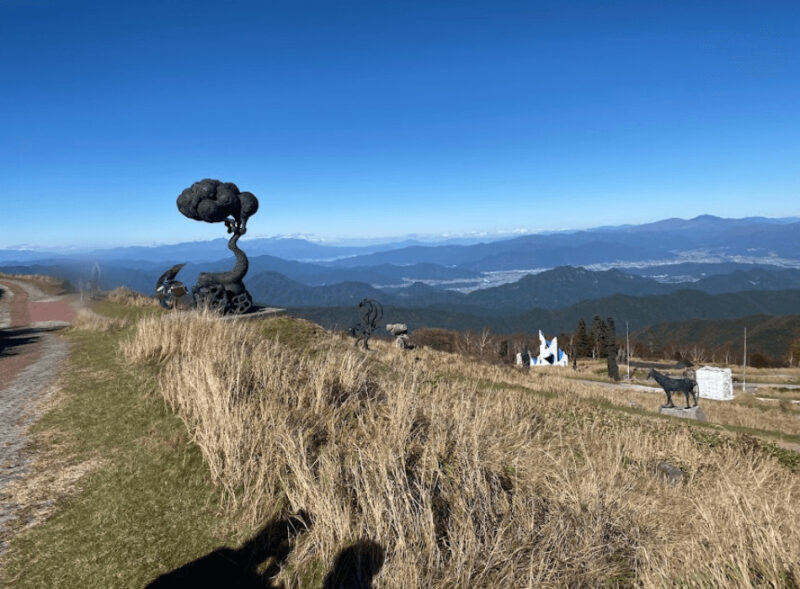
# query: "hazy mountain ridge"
[551,289]
[640,312]
[661,240]
[661,246]
[414,276]
[317,275]
[651,240]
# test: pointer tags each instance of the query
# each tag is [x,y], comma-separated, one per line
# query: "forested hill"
[552,289]
[639,311]
[768,334]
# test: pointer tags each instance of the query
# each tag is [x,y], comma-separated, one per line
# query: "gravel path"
[29,363]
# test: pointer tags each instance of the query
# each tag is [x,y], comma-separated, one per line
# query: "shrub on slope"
[126,296]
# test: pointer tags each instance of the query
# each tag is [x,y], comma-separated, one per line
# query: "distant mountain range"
[552,289]
[752,236]
[665,240]
[204,251]
[671,270]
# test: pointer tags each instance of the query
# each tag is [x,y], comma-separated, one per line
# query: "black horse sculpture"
[675,385]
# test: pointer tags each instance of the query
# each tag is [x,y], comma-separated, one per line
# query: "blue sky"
[355,119]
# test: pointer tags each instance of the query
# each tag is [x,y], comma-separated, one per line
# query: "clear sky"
[383,118]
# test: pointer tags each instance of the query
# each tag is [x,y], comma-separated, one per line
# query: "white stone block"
[714,383]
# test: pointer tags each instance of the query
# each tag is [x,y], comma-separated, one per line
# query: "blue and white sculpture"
[549,353]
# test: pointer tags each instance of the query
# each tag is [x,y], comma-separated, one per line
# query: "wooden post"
[744,368]
[628,349]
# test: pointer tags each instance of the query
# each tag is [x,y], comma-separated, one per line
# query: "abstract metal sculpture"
[169,291]
[687,386]
[213,201]
[371,312]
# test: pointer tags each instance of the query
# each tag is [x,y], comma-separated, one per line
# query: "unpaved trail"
[31,354]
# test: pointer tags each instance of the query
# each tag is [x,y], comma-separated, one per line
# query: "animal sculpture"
[687,386]
[371,312]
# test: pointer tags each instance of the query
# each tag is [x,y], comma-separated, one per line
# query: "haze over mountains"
[670,270]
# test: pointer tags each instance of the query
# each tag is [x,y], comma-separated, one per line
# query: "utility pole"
[628,349]
[744,368]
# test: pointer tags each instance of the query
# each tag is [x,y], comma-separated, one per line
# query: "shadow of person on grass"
[229,567]
[355,566]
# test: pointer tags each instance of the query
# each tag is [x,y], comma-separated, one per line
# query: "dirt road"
[31,354]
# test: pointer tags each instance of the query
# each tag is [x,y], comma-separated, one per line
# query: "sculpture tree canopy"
[213,201]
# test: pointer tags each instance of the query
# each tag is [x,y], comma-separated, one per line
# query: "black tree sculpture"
[213,201]
[371,312]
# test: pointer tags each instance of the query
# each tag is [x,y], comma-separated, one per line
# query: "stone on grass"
[671,473]
[397,329]
[692,413]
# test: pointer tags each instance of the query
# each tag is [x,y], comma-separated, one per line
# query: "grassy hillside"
[423,468]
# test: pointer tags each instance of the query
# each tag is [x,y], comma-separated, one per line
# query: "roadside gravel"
[31,363]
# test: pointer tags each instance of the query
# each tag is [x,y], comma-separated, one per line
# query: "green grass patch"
[788,458]
[148,509]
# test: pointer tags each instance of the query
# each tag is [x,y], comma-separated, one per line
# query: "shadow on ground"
[259,559]
[12,340]
[229,567]
[355,566]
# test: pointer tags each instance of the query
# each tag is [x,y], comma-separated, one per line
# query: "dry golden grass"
[777,393]
[744,411]
[126,296]
[776,376]
[88,320]
[468,475]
